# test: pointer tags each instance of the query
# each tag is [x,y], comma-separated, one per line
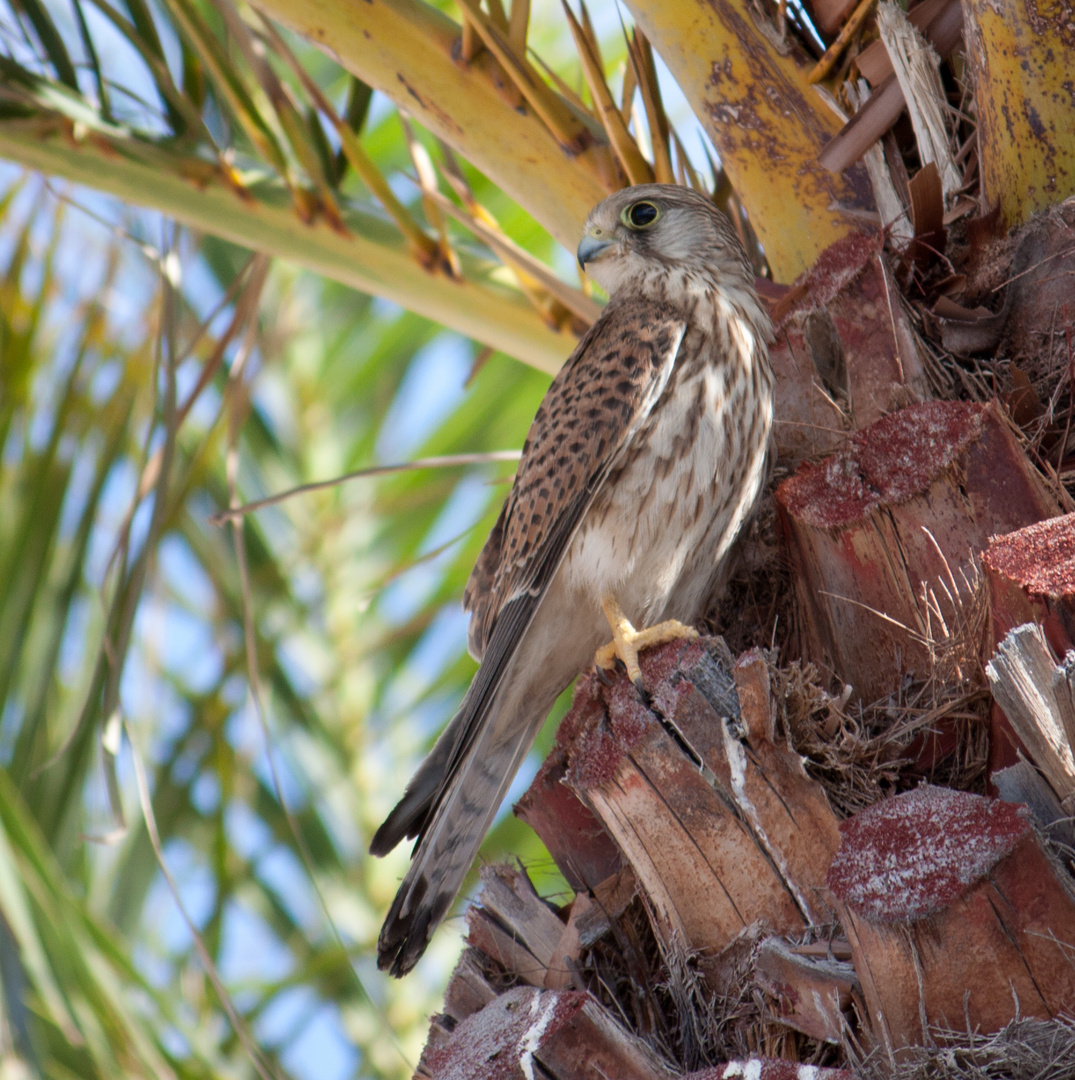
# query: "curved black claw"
[604,674]
[643,694]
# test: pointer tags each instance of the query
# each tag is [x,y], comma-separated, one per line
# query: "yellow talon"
[627,642]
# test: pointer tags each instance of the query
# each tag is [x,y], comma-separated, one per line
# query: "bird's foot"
[627,642]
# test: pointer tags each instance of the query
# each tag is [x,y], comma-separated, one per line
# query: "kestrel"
[642,464]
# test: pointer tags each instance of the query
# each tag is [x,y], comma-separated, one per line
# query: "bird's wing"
[589,416]
[599,398]
[591,411]
[480,585]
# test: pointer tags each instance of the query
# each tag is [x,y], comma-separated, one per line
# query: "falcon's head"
[643,236]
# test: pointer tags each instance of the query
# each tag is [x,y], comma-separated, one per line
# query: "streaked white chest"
[656,538]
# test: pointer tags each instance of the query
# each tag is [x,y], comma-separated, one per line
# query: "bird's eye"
[640,215]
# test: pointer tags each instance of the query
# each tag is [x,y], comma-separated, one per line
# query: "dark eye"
[640,215]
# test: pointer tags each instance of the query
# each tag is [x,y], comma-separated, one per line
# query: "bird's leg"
[627,642]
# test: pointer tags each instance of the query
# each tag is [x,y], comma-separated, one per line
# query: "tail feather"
[452,800]
[453,820]
[411,813]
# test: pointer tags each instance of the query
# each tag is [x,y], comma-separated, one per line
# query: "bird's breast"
[666,517]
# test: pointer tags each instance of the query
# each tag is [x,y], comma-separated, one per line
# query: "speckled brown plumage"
[644,459]
[578,434]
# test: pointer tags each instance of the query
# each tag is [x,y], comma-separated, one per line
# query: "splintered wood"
[1031,577]
[955,915]
[720,824]
[514,926]
[941,24]
[845,351]
[786,812]
[811,986]
[1038,697]
[934,907]
[705,871]
[554,1034]
[917,65]
[884,537]
[718,830]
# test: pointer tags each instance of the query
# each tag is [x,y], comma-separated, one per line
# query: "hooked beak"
[590,248]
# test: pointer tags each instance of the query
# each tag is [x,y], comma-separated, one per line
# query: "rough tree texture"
[1031,575]
[883,536]
[943,890]
[1031,578]
[706,872]
[845,352]
[873,927]
[562,1034]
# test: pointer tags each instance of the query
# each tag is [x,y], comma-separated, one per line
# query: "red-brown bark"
[904,511]
[844,354]
[1031,579]
[560,1035]
[570,831]
[1031,576]
[954,914]
[705,873]
[811,989]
